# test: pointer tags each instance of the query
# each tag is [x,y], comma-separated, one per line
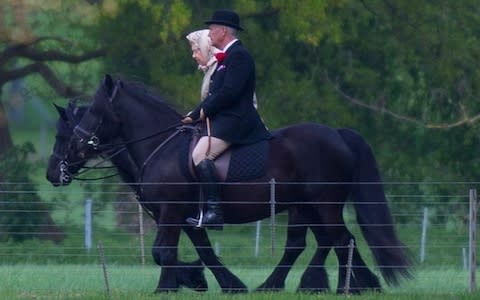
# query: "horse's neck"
[145,122]
[127,169]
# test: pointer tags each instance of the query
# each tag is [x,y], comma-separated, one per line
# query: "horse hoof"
[201,289]
[269,288]
[165,290]
[240,290]
[313,290]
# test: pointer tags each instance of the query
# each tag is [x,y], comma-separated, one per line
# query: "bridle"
[64,163]
[92,139]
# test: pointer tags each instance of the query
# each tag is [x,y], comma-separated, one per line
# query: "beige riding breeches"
[217,146]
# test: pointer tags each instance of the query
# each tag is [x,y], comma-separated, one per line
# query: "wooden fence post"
[88,224]
[472,240]
[142,234]
[272,213]
[424,234]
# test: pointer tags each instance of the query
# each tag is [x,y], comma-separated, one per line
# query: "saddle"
[237,163]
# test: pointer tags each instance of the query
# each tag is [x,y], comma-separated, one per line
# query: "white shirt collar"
[228,45]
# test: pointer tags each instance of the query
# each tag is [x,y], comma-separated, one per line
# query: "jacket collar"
[229,45]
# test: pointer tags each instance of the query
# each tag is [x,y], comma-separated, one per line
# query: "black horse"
[325,166]
[65,164]
[61,170]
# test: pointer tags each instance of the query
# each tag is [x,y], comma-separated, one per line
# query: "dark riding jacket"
[229,104]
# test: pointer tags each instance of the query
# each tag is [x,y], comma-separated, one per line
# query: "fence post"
[142,233]
[257,238]
[88,224]
[272,213]
[104,268]
[424,234]
[472,240]
[351,246]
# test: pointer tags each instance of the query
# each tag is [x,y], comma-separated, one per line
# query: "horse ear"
[108,80]
[109,84]
[61,111]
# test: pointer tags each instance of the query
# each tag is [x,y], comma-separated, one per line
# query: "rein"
[96,167]
[95,142]
[174,126]
[66,176]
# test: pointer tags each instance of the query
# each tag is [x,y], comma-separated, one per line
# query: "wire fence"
[438,229]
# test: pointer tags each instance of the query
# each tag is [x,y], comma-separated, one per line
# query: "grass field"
[137,282]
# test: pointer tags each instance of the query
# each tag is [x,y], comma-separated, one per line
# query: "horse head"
[78,135]
[123,110]
[100,123]
[63,162]
[84,133]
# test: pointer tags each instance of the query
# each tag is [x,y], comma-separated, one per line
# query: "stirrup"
[197,223]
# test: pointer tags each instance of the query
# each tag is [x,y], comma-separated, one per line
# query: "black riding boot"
[213,217]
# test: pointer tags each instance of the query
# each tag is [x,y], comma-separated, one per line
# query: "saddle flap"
[237,163]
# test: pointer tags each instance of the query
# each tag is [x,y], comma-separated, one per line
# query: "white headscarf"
[201,40]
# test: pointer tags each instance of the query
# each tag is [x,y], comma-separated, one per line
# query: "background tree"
[397,72]
[25,52]
[35,39]
[404,74]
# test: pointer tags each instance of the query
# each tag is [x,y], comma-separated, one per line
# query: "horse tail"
[373,214]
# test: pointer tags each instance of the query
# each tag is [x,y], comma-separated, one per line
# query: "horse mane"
[148,95]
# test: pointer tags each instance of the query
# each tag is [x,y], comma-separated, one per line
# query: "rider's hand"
[187,120]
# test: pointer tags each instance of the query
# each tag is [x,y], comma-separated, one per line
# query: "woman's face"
[198,56]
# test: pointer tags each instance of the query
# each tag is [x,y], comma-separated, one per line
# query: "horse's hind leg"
[294,247]
[365,279]
[361,278]
[191,276]
[315,277]
[226,279]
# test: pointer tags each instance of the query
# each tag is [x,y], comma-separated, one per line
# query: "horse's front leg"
[226,279]
[296,243]
[165,254]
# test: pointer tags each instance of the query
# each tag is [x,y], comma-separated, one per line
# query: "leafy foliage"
[404,74]
[23,213]
[416,59]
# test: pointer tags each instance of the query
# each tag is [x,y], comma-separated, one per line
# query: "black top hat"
[225,17]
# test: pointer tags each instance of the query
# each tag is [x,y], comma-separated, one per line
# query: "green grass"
[138,282]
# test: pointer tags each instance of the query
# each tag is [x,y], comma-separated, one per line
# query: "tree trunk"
[5,138]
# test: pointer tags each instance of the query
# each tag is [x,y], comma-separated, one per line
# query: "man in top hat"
[228,114]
